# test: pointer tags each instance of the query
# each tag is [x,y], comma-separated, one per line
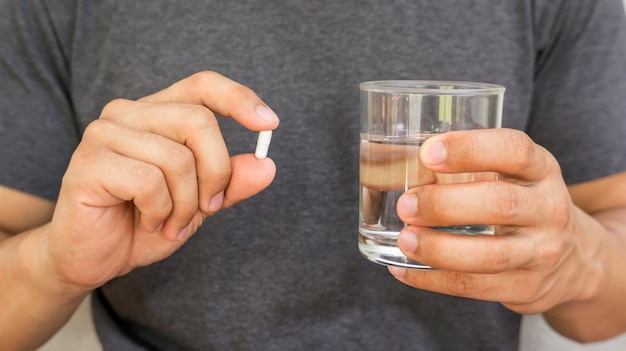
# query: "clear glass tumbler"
[396,118]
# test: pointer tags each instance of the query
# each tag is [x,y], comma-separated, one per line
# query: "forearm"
[33,304]
[603,314]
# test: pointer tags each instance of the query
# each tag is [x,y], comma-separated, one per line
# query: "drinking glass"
[396,118]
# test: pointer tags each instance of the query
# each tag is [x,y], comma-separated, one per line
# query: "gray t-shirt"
[282,271]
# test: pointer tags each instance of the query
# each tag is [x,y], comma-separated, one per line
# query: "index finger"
[221,95]
[507,151]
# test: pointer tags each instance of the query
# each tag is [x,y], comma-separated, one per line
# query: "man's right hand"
[147,173]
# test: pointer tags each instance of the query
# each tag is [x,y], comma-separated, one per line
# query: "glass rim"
[432,87]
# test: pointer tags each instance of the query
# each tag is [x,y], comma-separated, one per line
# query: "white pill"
[263,144]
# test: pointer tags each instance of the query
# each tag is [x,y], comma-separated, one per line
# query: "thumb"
[249,177]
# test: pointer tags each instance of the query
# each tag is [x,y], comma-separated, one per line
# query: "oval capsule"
[263,144]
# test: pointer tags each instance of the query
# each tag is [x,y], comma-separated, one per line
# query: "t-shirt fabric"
[282,271]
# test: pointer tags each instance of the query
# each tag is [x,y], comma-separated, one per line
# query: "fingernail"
[266,114]
[183,233]
[216,202]
[397,272]
[407,205]
[433,153]
[407,241]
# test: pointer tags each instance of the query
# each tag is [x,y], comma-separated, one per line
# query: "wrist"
[34,303]
[588,312]
[34,268]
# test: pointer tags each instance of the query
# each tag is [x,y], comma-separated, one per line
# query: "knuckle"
[551,252]
[532,293]
[529,155]
[233,94]
[150,176]
[548,162]
[114,105]
[207,79]
[91,130]
[161,204]
[561,215]
[460,283]
[181,161]
[503,200]
[199,118]
[499,259]
[154,188]
[96,128]
[222,173]
[523,148]
[203,78]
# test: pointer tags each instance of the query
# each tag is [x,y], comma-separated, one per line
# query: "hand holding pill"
[147,173]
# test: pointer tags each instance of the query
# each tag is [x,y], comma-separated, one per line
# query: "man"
[145,213]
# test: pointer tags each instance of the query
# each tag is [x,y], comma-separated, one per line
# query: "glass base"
[381,246]
[385,252]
